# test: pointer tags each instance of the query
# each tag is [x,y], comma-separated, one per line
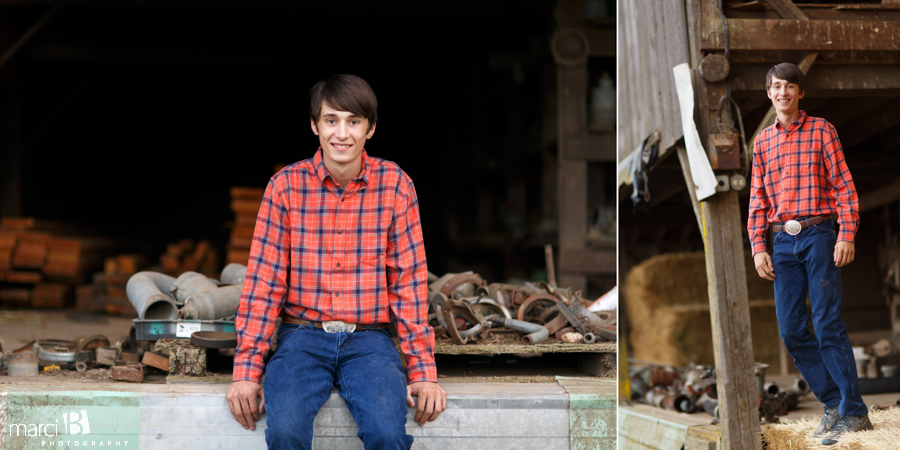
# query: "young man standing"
[800,184]
[337,253]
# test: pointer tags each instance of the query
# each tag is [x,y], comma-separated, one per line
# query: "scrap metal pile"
[466,309]
[695,390]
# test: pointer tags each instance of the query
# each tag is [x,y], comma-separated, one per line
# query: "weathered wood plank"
[771,58]
[676,53]
[823,80]
[653,38]
[822,35]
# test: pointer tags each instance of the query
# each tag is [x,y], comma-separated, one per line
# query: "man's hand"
[844,252]
[764,266]
[432,400]
[241,397]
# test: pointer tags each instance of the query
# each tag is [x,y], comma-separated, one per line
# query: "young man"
[800,184]
[337,253]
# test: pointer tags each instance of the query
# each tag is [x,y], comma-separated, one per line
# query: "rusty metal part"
[26,347]
[464,310]
[660,376]
[92,343]
[492,304]
[554,325]
[603,331]
[509,295]
[133,372]
[589,338]
[81,366]
[529,303]
[559,333]
[678,402]
[450,319]
[437,301]
[154,360]
[460,280]
[23,364]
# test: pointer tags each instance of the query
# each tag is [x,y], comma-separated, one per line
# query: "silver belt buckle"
[792,227]
[338,326]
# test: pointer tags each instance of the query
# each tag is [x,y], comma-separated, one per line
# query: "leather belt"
[334,326]
[793,227]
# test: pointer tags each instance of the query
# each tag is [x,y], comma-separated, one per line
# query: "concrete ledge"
[479,415]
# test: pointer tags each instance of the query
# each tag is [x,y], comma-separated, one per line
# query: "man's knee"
[387,438]
[282,434]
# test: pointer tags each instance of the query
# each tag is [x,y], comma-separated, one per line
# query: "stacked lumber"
[188,256]
[245,203]
[106,292]
[40,262]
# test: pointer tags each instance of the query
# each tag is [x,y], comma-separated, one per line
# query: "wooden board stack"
[40,261]
[245,202]
[187,256]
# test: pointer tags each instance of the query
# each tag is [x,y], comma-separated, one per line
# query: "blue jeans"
[805,263]
[309,362]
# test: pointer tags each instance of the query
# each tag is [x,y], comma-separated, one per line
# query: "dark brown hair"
[344,93]
[788,72]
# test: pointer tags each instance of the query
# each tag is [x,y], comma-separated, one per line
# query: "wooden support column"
[721,226]
[571,92]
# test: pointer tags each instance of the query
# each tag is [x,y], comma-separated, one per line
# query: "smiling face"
[342,136]
[785,97]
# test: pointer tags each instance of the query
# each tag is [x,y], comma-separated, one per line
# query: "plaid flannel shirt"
[323,253]
[800,171]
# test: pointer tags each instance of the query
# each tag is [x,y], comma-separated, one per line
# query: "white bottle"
[603,103]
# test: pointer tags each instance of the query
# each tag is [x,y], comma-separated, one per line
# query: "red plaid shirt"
[797,172]
[322,253]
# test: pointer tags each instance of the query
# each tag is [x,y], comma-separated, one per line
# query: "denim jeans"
[804,263]
[309,362]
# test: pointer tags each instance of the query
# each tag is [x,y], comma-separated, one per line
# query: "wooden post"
[721,226]
[572,83]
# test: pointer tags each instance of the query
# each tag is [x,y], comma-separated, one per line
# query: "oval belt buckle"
[338,326]
[792,227]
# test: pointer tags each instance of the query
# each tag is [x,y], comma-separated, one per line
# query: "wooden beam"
[587,261]
[880,197]
[822,35]
[770,58]
[825,80]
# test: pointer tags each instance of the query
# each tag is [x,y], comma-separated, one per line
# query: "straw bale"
[798,435]
[668,306]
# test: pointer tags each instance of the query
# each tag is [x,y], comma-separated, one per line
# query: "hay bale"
[798,435]
[668,307]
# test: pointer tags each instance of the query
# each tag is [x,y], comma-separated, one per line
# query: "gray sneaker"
[847,424]
[828,422]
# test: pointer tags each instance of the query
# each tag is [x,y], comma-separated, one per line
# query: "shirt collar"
[322,171]
[794,125]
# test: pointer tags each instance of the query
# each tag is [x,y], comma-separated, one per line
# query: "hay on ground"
[798,435]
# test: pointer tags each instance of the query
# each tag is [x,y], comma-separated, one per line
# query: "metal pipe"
[212,304]
[234,273]
[189,283]
[538,333]
[145,291]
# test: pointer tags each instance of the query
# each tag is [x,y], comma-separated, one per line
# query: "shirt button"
[342,200]
[339,264]
[337,294]
[340,231]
